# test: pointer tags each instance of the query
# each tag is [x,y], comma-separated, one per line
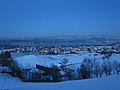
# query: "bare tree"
[96,69]
[116,66]
[107,67]
[89,65]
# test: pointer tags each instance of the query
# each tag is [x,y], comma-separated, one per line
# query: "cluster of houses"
[66,49]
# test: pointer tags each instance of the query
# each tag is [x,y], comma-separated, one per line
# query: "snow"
[105,83]
[30,61]
[48,60]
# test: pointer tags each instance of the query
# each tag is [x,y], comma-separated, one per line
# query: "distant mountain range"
[67,37]
[78,38]
[68,40]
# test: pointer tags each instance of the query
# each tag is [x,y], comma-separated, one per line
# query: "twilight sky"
[35,18]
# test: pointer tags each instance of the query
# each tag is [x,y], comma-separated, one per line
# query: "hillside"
[104,83]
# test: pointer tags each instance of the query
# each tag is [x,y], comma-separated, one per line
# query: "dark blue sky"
[35,18]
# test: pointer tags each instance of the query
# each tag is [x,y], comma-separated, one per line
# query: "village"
[65,49]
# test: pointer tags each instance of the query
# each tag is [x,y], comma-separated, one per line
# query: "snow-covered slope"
[104,83]
[28,61]
[47,60]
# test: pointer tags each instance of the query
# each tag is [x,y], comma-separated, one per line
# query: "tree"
[96,69]
[107,67]
[7,55]
[89,65]
[5,58]
[70,74]
[85,73]
[116,66]
[56,76]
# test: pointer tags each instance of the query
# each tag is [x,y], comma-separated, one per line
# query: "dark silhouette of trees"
[5,58]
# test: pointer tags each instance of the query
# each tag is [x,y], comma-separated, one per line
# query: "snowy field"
[47,60]
[105,83]
[30,61]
